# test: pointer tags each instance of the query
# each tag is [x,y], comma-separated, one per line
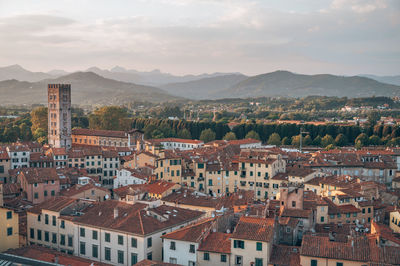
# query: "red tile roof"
[285,255]
[192,233]
[136,218]
[38,175]
[50,255]
[252,228]
[159,187]
[216,242]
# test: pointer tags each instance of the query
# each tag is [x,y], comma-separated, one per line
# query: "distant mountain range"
[395,80]
[119,85]
[88,88]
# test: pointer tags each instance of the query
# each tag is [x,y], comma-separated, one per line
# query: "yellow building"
[9,231]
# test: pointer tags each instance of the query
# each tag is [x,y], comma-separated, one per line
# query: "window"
[120,240]
[259,262]
[192,248]
[46,236]
[150,256]
[206,256]
[149,242]
[259,246]
[223,258]
[133,242]
[322,219]
[54,220]
[36,195]
[9,231]
[39,234]
[107,237]
[39,218]
[238,244]
[32,233]
[293,204]
[107,254]
[134,258]
[62,240]
[46,219]
[53,193]
[238,260]
[210,182]
[62,225]
[314,263]
[120,257]
[82,248]
[70,238]
[94,234]
[173,260]
[339,263]
[369,210]
[95,251]
[172,245]
[9,215]
[45,193]
[54,238]
[82,232]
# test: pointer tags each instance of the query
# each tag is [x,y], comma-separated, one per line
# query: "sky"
[344,37]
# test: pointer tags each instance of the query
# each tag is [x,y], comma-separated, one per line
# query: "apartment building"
[129,176]
[394,221]
[9,229]
[107,138]
[5,165]
[215,250]
[39,184]
[19,155]
[252,240]
[180,246]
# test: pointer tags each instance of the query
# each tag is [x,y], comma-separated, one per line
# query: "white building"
[128,176]
[180,246]
[112,232]
[175,143]
[19,155]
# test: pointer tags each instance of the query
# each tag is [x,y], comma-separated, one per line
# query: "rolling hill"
[203,88]
[395,80]
[284,83]
[87,88]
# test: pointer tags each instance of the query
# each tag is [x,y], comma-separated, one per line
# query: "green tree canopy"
[207,135]
[274,139]
[327,140]
[363,139]
[184,134]
[340,140]
[252,135]
[109,118]
[230,136]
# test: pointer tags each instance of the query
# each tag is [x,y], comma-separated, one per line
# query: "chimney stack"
[115,212]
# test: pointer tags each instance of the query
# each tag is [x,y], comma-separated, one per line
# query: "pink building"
[39,184]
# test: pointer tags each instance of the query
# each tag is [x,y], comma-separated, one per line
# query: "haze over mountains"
[119,85]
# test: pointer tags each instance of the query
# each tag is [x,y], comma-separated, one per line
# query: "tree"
[207,135]
[285,141]
[230,136]
[317,141]
[363,139]
[296,141]
[340,140]
[109,118]
[274,139]
[374,140]
[252,135]
[327,140]
[307,140]
[373,117]
[39,119]
[184,134]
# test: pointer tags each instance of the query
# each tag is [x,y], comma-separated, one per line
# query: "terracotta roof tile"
[252,228]
[217,242]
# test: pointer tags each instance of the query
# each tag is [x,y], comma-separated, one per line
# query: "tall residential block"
[59,115]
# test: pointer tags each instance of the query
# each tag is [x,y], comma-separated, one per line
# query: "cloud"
[359,6]
[233,35]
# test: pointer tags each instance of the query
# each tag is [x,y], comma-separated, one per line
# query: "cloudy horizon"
[345,37]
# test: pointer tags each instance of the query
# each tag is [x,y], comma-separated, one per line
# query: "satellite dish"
[356,229]
[366,230]
[106,196]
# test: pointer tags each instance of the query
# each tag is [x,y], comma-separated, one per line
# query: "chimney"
[115,213]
